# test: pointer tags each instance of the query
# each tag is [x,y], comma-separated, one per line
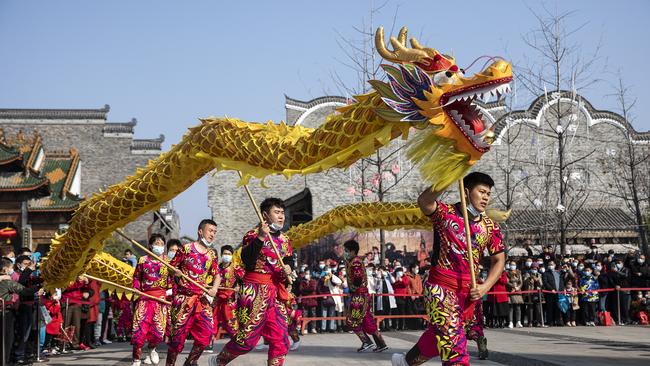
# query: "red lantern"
[7,233]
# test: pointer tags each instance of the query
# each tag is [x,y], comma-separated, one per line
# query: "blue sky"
[167,63]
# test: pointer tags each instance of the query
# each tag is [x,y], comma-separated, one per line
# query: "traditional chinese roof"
[49,177]
[587,219]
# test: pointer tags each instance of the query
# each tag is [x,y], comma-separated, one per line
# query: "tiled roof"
[26,113]
[51,183]
[592,219]
[8,154]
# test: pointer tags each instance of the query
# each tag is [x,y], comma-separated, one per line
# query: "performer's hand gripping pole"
[128,289]
[174,269]
[259,216]
[468,233]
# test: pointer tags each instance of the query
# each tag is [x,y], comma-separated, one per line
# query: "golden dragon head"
[430,89]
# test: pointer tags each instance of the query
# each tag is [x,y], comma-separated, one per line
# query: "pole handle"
[468,233]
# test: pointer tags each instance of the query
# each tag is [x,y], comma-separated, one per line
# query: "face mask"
[513,267]
[328,271]
[580,268]
[13,260]
[321,266]
[400,273]
[157,250]
[472,210]
[171,255]
[343,273]
[307,277]
[226,258]
[639,296]
[10,272]
[551,267]
[619,266]
[528,264]
[205,242]
[540,262]
[416,270]
[641,261]
[574,264]
[542,270]
[599,268]
[588,273]
[370,272]
[275,227]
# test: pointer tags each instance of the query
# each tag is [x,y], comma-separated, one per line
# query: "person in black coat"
[552,281]
[640,272]
[620,278]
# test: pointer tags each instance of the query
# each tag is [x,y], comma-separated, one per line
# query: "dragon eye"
[443,77]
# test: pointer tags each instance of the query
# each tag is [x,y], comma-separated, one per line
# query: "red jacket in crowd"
[54,308]
[500,286]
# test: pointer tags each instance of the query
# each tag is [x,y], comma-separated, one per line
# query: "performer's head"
[207,231]
[273,212]
[226,253]
[173,245]
[157,244]
[351,249]
[478,188]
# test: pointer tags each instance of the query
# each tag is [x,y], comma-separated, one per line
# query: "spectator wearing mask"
[307,287]
[328,306]
[173,245]
[415,306]
[588,285]
[620,277]
[515,284]
[640,273]
[53,328]
[385,304]
[639,308]
[72,300]
[528,266]
[400,287]
[573,304]
[552,280]
[25,314]
[9,290]
[534,301]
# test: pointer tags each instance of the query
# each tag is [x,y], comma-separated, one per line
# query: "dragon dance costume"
[150,318]
[359,317]
[225,310]
[191,312]
[262,300]
[446,292]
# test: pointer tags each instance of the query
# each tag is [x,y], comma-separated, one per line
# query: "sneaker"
[209,349]
[510,325]
[519,325]
[483,352]
[380,349]
[304,332]
[314,331]
[295,346]
[136,363]
[106,341]
[365,346]
[147,360]
[153,355]
[398,359]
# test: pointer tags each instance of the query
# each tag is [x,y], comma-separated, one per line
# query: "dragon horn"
[401,52]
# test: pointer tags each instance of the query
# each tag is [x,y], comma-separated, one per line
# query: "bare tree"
[560,66]
[627,165]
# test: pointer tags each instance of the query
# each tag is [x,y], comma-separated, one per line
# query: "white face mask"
[307,277]
[171,255]
[275,227]
[205,242]
[226,258]
[542,270]
[157,250]
[399,273]
[472,210]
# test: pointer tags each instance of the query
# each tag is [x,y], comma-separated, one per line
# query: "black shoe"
[481,342]
[365,346]
[380,349]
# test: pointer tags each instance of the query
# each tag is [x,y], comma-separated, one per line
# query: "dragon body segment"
[426,92]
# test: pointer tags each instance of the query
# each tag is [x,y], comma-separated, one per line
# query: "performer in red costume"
[150,316]
[359,316]
[225,312]
[263,295]
[449,301]
[192,309]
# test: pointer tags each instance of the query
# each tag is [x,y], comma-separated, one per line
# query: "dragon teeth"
[482,93]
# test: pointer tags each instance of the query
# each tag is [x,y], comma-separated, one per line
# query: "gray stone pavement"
[525,346]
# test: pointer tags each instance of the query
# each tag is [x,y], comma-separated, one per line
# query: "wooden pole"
[150,253]
[174,269]
[128,289]
[259,216]
[468,233]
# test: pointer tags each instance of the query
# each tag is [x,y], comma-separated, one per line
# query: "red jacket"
[499,286]
[54,308]
[73,293]
[400,286]
[94,299]
[305,288]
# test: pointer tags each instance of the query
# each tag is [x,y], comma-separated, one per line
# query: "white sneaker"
[510,325]
[519,325]
[147,360]
[294,346]
[136,363]
[398,359]
[155,359]
[106,341]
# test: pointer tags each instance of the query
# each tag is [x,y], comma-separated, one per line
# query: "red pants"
[190,314]
[149,322]
[261,314]
[359,317]
[225,316]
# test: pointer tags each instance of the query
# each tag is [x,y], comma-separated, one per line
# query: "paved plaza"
[526,346]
